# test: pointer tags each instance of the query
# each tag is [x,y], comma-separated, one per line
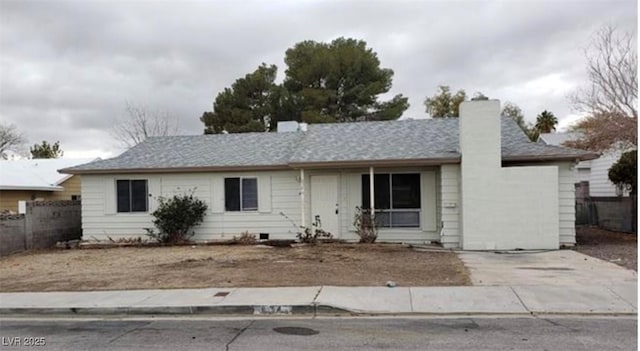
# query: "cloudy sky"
[68,68]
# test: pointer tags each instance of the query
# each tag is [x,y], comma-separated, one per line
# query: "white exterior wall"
[599,183]
[350,196]
[568,175]
[450,194]
[449,206]
[502,208]
[584,171]
[277,192]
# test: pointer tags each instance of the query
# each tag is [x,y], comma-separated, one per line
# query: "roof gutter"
[539,158]
[378,163]
[31,188]
[333,164]
[175,169]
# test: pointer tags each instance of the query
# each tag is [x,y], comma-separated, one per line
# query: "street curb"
[254,310]
[265,311]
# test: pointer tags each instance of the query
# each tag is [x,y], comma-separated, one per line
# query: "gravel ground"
[615,247]
[229,266]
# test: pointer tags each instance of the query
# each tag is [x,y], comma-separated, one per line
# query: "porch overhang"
[375,163]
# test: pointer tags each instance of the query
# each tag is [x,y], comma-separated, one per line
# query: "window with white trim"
[132,195]
[240,194]
[396,199]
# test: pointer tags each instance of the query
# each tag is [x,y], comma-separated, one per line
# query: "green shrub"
[624,172]
[176,217]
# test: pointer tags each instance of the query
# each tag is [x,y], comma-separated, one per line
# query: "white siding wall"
[567,177]
[599,183]
[100,220]
[584,171]
[278,191]
[450,195]
[350,195]
[450,206]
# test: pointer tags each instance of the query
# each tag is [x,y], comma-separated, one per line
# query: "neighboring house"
[595,172]
[37,179]
[473,182]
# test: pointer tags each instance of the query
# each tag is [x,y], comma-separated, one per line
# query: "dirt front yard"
[615,247]
[229,266]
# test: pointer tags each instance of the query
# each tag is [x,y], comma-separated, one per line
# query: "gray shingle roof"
[426,139]
[221,150]
[516,146]
[558,138]
[407,139]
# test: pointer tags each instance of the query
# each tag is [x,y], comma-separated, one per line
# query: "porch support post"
[302,211]
[371,193]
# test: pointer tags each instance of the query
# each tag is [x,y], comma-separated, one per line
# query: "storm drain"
[295,331]
[221,294]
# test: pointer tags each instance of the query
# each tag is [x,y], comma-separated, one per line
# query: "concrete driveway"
[562,267]
[561,281]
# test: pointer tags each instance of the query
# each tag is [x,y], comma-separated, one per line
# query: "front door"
[324,202]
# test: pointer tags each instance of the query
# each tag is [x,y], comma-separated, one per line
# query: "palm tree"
[546,122]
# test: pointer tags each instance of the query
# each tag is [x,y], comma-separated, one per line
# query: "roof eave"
[542,158]
[175,169]
[31,188]
[329,164]
[378,163]
[64,178]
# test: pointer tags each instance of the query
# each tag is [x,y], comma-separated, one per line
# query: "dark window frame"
[241,198]
[130,196]
[389,212]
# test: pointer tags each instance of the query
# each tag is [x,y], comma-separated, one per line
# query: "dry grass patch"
[229,266]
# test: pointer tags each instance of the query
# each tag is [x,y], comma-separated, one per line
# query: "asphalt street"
[467,333]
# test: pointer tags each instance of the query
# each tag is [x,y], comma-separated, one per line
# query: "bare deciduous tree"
[612,68]
[611,97]
[140,123]
[604,131]
[10,140]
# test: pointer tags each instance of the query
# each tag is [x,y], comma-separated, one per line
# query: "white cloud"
[67,68]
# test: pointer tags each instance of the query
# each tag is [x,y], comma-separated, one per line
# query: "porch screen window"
[241,194]
[132,195]
[396,199]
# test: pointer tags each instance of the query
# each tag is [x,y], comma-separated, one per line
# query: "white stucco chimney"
[479,125]
[503,208]
[287,126]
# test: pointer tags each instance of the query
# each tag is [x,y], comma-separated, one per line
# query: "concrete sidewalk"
[329,300]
